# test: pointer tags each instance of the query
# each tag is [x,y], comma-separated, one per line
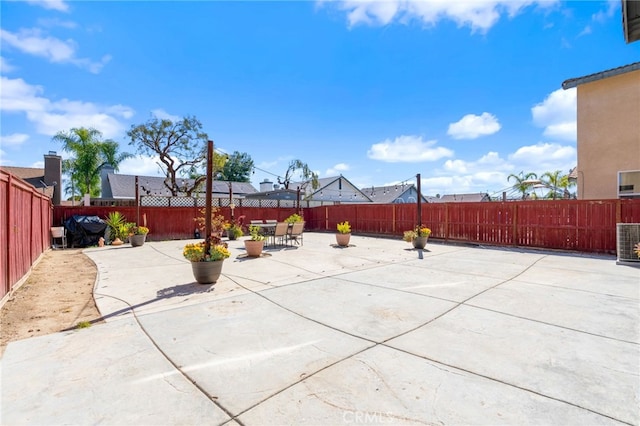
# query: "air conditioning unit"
[627,236]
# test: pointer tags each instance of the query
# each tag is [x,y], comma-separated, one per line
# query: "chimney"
[53,175]
[266,185]
[105,189]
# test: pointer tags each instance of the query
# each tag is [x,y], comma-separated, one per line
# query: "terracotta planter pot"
[207,272]
[343,239]
[254,248]
[419,242]
[137,240]
[117,242]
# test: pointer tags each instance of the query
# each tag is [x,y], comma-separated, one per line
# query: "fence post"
[446,221]
[515,224]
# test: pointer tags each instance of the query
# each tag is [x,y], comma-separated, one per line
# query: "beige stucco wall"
[608,133]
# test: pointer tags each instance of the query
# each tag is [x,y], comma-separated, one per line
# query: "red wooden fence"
[579,225]
[25,221]
[169,223]
[586,226]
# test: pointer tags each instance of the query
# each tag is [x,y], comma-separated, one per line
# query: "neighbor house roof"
[465,198]
[124,186]
[32,175]
[574,82]
[389,194]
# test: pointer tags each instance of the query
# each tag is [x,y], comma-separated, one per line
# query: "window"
[629,184]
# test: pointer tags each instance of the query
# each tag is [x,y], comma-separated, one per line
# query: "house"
[462,198]
[47,179]
[394,194]
[608,133]
[123,187]
[337,189]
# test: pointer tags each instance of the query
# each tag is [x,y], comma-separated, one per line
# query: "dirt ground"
[57,296]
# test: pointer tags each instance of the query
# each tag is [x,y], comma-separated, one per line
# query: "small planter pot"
[254,248]
[343,239]
[207,272]
[117,242]
[137,240]
[419,242]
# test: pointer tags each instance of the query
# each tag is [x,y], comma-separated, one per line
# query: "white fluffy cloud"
[33,42]
[472,126]
[479,15]
[14,139]
[140,165]
[544,157]
[557,114]
[5,66]
[407,149]
[50,117]
[164,115]
[337,169]
[59,5]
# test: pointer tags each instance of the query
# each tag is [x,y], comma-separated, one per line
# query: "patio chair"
[281,231]
[58,233]
[295,233]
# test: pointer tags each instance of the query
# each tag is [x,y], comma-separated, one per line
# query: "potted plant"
[206,266]
[418,236]
[234,228]
[344,234]
[137,235]
[294,218]
[255,243]
[118,227]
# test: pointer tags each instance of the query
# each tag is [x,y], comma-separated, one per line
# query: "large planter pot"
[254,248]
[137,240]
[207,272]
[343,239]
[419,242]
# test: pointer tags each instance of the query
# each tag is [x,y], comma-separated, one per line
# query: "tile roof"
[574,82]
[123,186]
[465,198]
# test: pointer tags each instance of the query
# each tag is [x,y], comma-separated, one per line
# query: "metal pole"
[207,218]
[419,201]
[137,203]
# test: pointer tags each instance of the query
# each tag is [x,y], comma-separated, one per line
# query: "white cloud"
[337,169]
[140,165]
[14,139]
[544,157]
[607,13]
[557,114]
[55,22]
[479,15]
[5,66]
[33,42]
[489,161]
[407,149]
[164,115]
[50,117]
[59,5]
[472,126]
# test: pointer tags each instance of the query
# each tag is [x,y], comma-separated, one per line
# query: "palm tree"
[89,155]
[552,181]
[522,182]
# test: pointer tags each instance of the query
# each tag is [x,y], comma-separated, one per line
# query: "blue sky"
[463,93]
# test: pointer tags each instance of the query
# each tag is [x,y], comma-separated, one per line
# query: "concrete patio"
[322,335]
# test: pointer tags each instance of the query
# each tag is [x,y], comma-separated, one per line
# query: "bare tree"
[299,169]
[180,147]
